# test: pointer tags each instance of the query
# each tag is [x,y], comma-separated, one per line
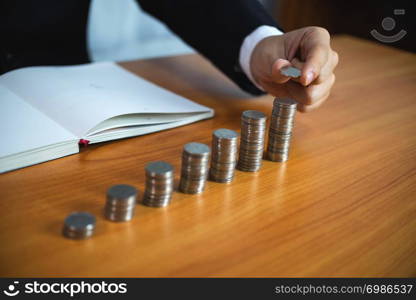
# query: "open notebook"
[46,111]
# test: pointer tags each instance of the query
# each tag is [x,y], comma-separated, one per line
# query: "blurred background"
[120,30]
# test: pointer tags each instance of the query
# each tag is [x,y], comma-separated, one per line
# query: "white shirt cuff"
[248,45]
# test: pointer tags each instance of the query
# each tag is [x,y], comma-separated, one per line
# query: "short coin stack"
[194,172]
[159,184]
[79,225]
[280,131]
[253,126]
[121,203]
[224,155]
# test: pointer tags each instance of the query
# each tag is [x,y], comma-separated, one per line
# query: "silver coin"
[159,184]
[224,155]
[121,192]
[222,180]
[277,157]
[79,225]
[226,134]
[197,149]
[159,168]
[121,203]
[220,175]
[191,186]
[251,168]
[156,200]
[223,166]
[195,167]
[286,102]
[290,72]
[253,115]
[280,129]
[284,111]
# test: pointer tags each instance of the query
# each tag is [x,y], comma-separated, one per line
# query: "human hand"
[307,49]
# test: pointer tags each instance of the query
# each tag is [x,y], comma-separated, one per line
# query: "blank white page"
[24,128]
[80,97]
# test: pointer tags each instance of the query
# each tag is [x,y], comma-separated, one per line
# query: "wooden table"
[343,205]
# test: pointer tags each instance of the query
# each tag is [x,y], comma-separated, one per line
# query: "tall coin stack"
[280,131]
[194,172]
[121,203]
[224,155]
[159,184]
[253,127]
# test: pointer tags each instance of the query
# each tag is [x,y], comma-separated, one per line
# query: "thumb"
[277,66]
[298,65]
[316,49]
[315,60]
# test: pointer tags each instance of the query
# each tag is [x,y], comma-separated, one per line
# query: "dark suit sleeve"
[216,28]
[46,32]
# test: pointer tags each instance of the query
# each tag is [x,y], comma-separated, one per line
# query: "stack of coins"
[194,172]
[280,131]
[224,155]
[79,225]
[159,184]
[121,203]
[253,126]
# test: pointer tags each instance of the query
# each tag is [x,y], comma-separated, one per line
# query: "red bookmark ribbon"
[83,142]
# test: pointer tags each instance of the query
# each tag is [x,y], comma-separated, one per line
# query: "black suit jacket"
[51,32]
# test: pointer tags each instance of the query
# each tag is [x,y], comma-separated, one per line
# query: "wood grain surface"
[343,205]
